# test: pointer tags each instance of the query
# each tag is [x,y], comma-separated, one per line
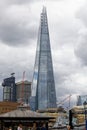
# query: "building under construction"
[9,89]
[23,91]
[16,92]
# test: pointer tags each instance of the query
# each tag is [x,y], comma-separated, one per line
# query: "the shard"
[43,85]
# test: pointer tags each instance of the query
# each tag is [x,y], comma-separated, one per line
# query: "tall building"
[23,91]
[81,99]
[9,89]
[43,85]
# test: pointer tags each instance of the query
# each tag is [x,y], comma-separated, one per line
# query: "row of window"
[5,109]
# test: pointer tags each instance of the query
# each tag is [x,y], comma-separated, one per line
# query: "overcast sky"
[19,23]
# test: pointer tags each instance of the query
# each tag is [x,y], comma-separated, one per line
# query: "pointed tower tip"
[44,9]
[43,3]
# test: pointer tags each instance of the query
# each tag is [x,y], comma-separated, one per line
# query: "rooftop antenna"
[22,93]
[12,74]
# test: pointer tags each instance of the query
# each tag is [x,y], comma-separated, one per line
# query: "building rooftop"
[25,82]
[22,113]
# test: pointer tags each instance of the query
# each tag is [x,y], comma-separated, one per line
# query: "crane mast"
[22,92]
[65,99]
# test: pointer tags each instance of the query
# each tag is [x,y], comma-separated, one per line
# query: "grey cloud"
[66,31]
[16,28]
[15,35]
[29,1]
[60,81]
[22,1]
[16,2]
[19,2]
[16,60]
[13,30]
[82,14]
[65,74]
[17,66]
[81,49]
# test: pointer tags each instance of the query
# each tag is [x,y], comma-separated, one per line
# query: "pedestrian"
[29,128]
[43,127]
[10,128]
[34,127]
[68,127]
[19,127]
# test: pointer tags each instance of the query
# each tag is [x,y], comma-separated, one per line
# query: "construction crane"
[24,104]
[22,90]
[64,100]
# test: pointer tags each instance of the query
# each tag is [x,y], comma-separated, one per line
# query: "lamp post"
[85,110]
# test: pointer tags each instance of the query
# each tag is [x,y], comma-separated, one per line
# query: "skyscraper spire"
[43,1]
[43,86]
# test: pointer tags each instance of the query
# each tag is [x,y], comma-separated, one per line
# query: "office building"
[9,89]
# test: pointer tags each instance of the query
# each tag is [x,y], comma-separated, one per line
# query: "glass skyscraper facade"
[43,85]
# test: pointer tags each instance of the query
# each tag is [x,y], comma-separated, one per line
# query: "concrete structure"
[9,89]
[23,91]
[26,117]
[78,113]
[43,85]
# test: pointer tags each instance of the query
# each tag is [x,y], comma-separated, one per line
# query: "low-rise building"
[78,113]
[7,106]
